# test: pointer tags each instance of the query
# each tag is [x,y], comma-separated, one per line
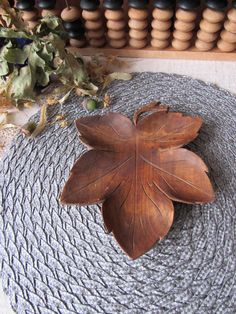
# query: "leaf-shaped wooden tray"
[136,170]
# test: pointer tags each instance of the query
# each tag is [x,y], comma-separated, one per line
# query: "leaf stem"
[153,106]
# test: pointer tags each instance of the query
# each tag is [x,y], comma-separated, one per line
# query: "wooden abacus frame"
[149,52]
[168,53]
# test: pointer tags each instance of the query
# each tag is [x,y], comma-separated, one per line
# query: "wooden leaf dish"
[136,170]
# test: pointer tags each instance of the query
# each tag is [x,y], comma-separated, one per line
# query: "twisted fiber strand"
[56,259]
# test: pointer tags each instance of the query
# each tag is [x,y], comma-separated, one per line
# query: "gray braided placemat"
[56,259]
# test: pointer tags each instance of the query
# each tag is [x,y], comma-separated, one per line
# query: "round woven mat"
[57,259]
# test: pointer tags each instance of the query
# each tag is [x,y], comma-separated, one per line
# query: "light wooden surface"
[221,73]
[169,53]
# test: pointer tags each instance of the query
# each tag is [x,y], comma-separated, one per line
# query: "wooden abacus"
[182,29]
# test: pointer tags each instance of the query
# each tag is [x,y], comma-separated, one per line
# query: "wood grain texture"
[149,52]
[136,169]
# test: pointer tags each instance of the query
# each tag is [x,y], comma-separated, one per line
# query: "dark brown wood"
[136,170]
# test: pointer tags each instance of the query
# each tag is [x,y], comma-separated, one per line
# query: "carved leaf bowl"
[136,170]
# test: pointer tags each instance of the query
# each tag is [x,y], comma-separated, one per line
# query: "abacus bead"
[232,15]
[135,43]
[225,46]
[213,16]
[12,3]
[210,27]
[228,36]
[116,25]
[120,43]
[93,25]
[230,26]
[76,34]
[29,15]
[115,15]
[51,12]
[207,37]
[25,5]
[156,34]
[164,4]
[91,15]
[135,24]
[134,33]
[73,25]
[217,5]
[204,46]
[162,15]
[138,4]
[180,45]
[137,14]
[161,26]
[183,36]
[46,4]
[70,14]
[188,5]
[89,5]
[186,16]
[116,34]
[97,42]
[95,34]
[77,42]
[112,5]
[184,26]
[160,44]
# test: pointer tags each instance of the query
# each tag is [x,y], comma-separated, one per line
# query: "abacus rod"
[67,4]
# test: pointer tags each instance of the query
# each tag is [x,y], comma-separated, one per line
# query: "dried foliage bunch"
[29,59]
[136,170]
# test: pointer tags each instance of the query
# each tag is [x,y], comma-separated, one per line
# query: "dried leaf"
[52,100]
[22,84]
[59,117]
[6,105]
[106,101]
[65,97]
[116,76]
[52,23]
[57,61]
[56,97]
[13,55]
[116,62]
[11,33]
[9,16]
[63,124]
[4,124]
[137,170]
[61,120]
[89,90]
[4,68]
[42,121]
[44,55]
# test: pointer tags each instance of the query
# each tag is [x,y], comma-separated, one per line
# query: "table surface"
[220,73]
